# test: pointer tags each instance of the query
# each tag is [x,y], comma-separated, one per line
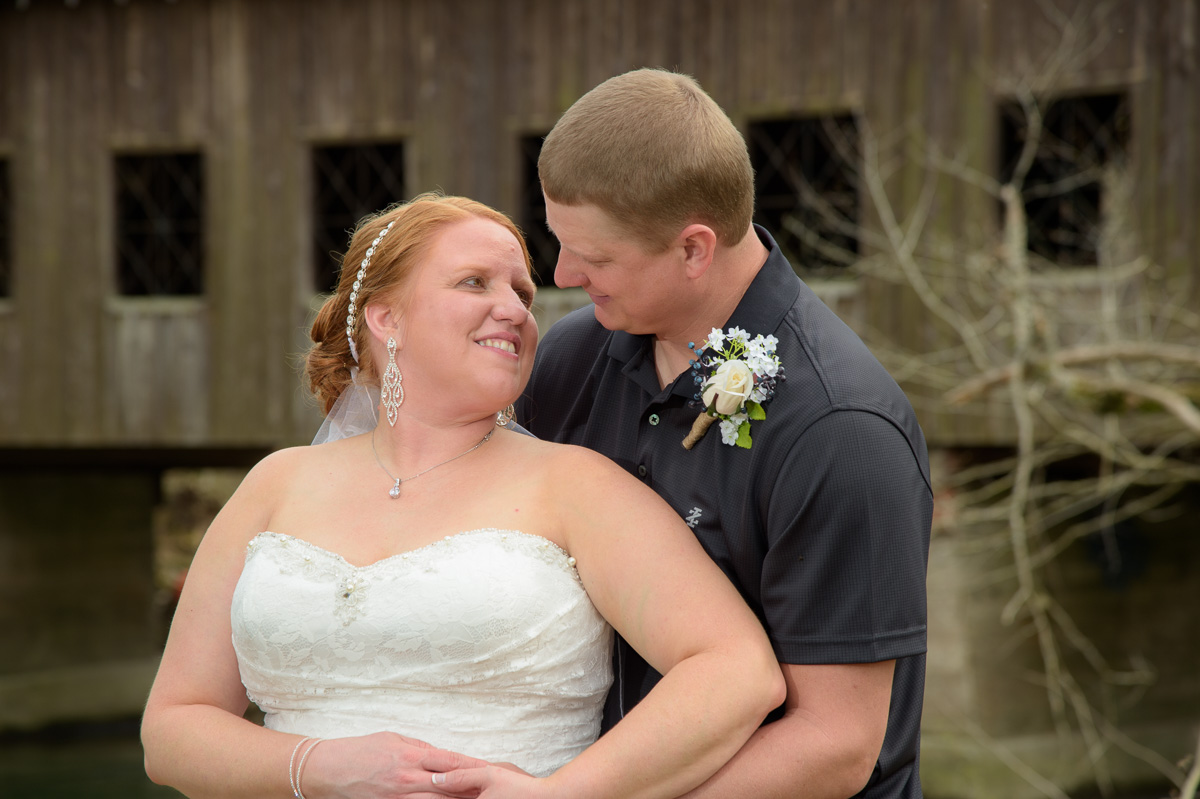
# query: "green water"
[76,769]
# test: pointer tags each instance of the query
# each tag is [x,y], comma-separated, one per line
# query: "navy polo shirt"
[823,524]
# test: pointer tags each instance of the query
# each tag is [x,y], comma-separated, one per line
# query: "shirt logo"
[693,517]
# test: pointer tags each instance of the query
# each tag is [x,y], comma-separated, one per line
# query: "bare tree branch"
[1192,782]
[1172,401]
[1123,350]
[898,241]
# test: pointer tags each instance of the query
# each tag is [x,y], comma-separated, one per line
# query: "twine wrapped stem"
[699,428]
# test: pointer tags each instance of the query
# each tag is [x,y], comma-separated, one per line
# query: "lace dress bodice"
[484,643]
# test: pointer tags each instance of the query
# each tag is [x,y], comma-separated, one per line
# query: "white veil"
[352,414]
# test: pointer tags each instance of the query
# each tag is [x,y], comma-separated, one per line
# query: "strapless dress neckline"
[416,552]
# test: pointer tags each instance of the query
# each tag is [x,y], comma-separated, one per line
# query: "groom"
[819,512]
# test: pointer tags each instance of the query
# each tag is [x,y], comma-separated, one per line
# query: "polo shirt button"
[641,470]
[654,418]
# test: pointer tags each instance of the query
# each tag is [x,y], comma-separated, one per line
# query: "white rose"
[729,386]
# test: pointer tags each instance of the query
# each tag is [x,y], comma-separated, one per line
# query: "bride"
[423,608]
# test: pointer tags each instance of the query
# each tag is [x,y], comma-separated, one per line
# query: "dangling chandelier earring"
[505,416]
[391,390]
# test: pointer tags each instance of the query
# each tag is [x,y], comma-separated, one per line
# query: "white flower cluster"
[729,428]
[760,356]
[716,338]
[734,375]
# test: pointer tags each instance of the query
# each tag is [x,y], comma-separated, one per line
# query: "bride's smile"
[501,344]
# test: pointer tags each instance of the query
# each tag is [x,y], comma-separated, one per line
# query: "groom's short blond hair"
[652,150]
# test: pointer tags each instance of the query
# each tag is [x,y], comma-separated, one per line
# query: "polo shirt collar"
[761,310]
[771,294]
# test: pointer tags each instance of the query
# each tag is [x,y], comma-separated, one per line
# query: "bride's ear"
[384,322]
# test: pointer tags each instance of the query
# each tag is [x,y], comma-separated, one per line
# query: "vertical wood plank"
[1177,176]
[46,185]
[234,292]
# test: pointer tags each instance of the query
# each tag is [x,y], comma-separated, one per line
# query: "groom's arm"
[820,606]
[826,744]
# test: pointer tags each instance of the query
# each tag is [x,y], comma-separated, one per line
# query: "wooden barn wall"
[255,85]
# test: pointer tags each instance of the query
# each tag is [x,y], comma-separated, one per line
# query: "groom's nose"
[567,272]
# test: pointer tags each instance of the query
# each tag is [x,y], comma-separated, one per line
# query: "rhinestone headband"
[362,270]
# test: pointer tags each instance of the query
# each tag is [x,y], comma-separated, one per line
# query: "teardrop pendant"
[394,492]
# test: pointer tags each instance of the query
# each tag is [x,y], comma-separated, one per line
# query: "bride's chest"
[493,580]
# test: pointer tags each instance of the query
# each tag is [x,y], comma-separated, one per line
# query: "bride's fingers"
[433,786]
[464,782]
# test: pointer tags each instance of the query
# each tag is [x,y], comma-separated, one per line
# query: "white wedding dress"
[484,643]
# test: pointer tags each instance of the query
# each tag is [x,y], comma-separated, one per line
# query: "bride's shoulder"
[268,482]
[280,467]
[570,463]
[248,511]
[290,463]
[272,483]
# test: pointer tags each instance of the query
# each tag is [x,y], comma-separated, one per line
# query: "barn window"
[160,224]
[5,238]
[350,182]
[543,247]
[1081,137]
[806,188]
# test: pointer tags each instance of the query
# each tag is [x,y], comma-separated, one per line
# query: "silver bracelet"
[292,767]
[300,767]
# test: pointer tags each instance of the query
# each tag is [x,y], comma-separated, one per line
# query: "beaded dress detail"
[484,643]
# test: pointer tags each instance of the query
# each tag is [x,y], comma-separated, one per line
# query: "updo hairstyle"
[416,225]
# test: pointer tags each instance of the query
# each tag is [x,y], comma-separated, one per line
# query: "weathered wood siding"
[253,85]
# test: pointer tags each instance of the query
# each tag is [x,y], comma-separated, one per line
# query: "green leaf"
[754,410]
[743,439]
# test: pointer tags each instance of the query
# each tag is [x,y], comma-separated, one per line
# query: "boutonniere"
[735,375]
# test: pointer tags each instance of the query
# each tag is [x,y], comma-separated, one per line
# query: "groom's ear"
[699,243]
[385,320]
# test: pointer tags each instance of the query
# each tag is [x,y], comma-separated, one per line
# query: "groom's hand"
[497,781]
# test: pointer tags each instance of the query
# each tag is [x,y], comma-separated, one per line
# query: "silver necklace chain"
[394,492]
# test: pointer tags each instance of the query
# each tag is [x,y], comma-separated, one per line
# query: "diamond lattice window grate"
[1081,138]
[160,224]
[350,182]
[806,188]
[5,239]
[543,247]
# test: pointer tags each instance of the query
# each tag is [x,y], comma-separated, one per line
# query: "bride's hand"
[381,764]
[499,781]
[512,767]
